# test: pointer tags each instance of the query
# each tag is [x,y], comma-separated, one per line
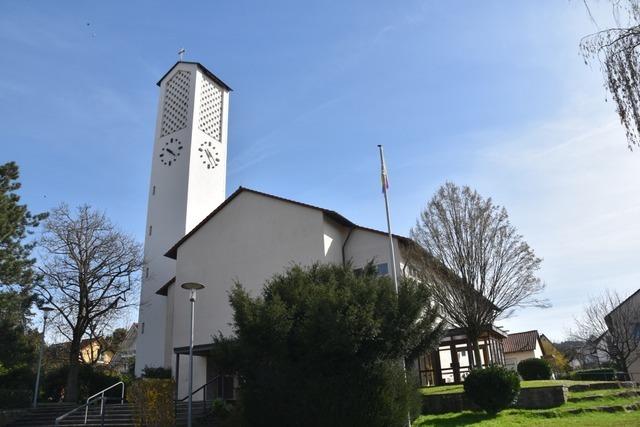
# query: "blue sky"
[491,94]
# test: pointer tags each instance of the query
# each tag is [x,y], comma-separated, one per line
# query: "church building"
[196,234]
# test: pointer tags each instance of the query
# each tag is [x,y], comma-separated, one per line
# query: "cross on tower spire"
[181,52]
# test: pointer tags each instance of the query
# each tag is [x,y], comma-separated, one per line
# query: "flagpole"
[385,187]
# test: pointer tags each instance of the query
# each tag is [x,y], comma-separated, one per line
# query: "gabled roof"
[521,341]
[608,316]
[173,252]
[202,68]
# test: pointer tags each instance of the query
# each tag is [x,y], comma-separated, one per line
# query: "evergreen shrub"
[492,389]
[534,369]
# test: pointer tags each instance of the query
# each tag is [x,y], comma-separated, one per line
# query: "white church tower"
[188,175]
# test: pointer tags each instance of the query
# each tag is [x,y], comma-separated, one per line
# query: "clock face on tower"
[171,151]
[209,155]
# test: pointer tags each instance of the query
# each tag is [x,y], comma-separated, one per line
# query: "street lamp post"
[45,315]
[192,288]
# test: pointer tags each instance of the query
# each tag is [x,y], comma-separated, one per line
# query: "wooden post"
[455,364]
[437,366]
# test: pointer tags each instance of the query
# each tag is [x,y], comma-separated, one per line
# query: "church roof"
[173,252]
[202,68]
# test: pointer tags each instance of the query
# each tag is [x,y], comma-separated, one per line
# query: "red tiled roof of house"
[521,341]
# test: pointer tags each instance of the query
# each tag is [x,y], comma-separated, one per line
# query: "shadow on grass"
[460,419]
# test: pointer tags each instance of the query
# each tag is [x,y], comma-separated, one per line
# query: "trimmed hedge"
[11,398]
[534,369]
[159,373]
[601,374]
[492,389]
[152,401]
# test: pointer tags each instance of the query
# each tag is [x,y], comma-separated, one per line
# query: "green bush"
[322,346]
[492,389]
[534,369]
[16,387]
[602,374]
[152,401]
[91,380]
[159,373]
[15,398]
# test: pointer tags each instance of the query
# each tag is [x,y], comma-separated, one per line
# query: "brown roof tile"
[521,341]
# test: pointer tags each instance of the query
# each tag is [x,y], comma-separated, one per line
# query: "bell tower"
[188,176]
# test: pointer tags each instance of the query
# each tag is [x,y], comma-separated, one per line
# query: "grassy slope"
[529,418]
[457,388]
[542,417]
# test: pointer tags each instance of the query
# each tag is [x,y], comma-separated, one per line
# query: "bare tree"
[90,269]
[611,327]
[479,267]
[615,50]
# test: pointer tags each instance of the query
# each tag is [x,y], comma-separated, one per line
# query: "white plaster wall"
[199,375]
[364,246]
[206,188]
[183,196]
[333,239]
[250,240]
[512,359]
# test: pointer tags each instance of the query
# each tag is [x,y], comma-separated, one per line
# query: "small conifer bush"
[492,389]
[534,369]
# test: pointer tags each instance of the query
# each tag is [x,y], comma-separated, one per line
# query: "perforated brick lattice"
[176,103]
[210,117]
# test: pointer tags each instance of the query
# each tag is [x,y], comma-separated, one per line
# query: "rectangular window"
[153,191]
[383,269]
[150,230]
[146,273]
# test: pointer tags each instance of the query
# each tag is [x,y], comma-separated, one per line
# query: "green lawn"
[529,418]
[542,417]
[457,388]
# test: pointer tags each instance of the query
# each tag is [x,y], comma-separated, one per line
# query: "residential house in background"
[93,351]
[624,322]
[555,357]
[125,353]
[520,346]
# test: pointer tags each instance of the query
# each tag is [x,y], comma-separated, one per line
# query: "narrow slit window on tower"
[153,191]
[146,273]
[150,230]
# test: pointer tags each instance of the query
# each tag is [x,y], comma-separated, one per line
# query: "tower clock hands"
[209,156]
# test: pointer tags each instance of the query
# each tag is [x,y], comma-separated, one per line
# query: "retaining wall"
[529,398]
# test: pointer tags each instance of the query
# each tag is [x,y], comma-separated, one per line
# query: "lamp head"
[192,286]
[46,310]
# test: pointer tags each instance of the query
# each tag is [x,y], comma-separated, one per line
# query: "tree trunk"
[72,388]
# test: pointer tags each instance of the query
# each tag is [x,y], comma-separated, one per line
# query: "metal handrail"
[101,394]
[63,416]
[216,378]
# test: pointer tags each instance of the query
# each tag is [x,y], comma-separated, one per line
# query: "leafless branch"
[479,267]
[88,268]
